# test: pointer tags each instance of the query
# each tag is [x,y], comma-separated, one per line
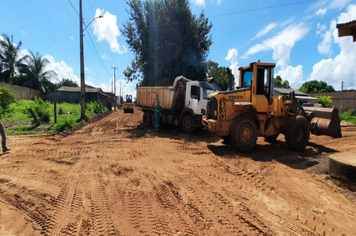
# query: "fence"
[21,93]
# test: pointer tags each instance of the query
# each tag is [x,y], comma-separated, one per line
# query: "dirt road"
[113,177]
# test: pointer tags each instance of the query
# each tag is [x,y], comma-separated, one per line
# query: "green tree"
[167,41]
[218,73]
[325,100]
[67,82]
[315,86]
[8,57]
[280,83]
[33,66]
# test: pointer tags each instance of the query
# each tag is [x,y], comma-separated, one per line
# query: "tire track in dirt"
[101,217]
[33,205]
[243,212]
[67,204]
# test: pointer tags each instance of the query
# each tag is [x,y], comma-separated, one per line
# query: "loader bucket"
[324,121]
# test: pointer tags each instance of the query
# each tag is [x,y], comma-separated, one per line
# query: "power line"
[69,14]
[328,19]
[73,7]
[263,8]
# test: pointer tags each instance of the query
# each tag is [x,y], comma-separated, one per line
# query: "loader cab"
[258,76]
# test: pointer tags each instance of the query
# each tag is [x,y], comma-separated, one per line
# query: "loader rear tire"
[297,133]
[146,119]
[244,134]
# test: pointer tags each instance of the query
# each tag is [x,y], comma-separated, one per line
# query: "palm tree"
[8,54]
[33,66]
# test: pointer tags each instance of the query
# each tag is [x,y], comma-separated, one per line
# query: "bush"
[41,109]
[64,124]
[349,115]
[7,97]
[95,107]
[60,111]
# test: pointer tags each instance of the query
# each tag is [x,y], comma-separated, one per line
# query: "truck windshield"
[206,92]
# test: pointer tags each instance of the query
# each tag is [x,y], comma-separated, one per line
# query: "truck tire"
[153,120]
[272,138]
[244,134]
[297,133]
[188,124]
[146,119]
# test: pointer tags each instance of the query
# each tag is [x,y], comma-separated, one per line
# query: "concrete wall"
[342,100]
[21,93]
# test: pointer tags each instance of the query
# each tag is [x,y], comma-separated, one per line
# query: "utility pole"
[115,86]
[82,79]
[120,93]
[342,88]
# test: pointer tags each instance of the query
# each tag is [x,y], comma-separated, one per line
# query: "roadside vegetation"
[18,120]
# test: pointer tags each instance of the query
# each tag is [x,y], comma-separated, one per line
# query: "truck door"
[193,97]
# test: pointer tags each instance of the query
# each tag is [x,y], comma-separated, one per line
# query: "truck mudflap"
[324,121]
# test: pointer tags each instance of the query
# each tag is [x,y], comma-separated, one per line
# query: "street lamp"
[82,78]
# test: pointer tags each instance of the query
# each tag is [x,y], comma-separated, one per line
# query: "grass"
[18,121]
[349,116]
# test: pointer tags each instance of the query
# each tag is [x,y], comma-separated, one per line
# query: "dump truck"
[240,115]
[182,104]
[128,106]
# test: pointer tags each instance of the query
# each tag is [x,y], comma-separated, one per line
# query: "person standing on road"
[158,114]
[3,133]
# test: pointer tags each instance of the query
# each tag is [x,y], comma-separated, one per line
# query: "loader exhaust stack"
[324,121]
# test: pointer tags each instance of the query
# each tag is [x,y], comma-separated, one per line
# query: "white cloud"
[62,70]
[232,57]
[202,2]
[320,28]
[265,30]
[281,44]
[342,67]
[338,4]
[72,37]
[321,12]
[106,29]
[294,75]
[325,46]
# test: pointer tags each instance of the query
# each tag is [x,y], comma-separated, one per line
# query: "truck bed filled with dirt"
[113,176]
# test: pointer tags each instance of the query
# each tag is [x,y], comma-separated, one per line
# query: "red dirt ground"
[115,177]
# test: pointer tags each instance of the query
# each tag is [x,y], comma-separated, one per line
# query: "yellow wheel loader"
[128,106]
[239,116]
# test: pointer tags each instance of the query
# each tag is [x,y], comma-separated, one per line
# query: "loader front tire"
[244,134]
[297,133]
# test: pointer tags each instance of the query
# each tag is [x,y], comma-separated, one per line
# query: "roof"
[347,29]
[286,91]
[77,89]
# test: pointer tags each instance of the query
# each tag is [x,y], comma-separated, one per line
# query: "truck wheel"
[146,119]
[153,120]
[244,134]
[297,133]
[188,124]
[272,138]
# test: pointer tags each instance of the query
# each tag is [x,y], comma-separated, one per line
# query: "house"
[303,98]
[92,94]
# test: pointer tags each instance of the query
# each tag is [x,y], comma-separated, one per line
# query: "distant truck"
[182,104]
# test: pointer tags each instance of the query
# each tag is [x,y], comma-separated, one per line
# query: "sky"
[300,36]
